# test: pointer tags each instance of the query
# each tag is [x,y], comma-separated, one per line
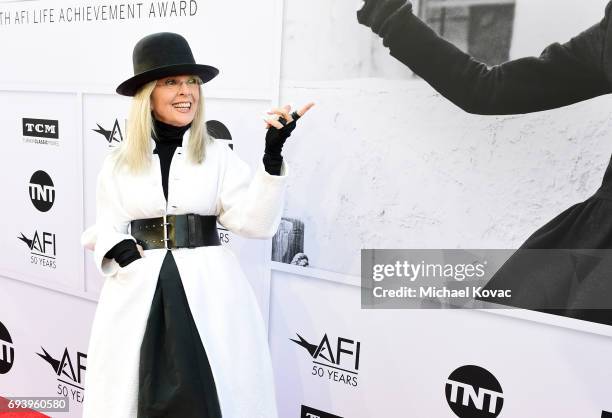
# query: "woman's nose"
[183,88]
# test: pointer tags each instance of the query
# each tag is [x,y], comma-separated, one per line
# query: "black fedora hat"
[161,55]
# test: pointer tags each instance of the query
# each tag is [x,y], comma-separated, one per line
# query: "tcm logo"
[308,412]
[114,136]
[7,351]
[42,191]
[42,248]
[473,392]
[338,362]
[69,372]
[40,128]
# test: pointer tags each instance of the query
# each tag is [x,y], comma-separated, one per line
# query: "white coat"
[221,300]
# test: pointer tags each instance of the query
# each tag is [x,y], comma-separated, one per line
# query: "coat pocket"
[131,269]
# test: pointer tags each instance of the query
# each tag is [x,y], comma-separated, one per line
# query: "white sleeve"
[110,228]
[250,207]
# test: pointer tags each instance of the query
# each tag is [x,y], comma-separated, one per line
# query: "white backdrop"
[66,72]
[381,161]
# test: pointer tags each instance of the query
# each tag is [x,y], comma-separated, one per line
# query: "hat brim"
[130,86]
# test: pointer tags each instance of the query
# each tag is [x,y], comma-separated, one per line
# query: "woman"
[551,272]
[177,331]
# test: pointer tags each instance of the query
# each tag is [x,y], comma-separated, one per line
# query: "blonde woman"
[177,331]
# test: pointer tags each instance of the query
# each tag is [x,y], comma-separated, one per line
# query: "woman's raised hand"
[280,116]
[279,124]
[374,13]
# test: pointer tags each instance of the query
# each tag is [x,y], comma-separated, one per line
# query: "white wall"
[540,23]
[398,166]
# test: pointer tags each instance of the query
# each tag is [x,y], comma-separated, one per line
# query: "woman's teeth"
[182,106]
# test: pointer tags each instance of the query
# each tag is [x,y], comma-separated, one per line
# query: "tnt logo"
[41,128]
[42,191]
[473,392]
[7,351]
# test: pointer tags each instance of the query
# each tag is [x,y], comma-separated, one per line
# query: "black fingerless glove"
[375,13]
[275,139]
[124,252]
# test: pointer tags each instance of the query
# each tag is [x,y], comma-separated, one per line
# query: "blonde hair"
[135,151]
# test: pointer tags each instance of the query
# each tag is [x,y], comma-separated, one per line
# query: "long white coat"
[220,298]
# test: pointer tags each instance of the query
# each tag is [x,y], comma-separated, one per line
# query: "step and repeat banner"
[381,162]
[61,118]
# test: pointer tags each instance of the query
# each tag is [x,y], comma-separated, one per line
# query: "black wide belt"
[176,231]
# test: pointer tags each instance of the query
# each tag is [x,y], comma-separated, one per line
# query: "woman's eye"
[193,81]
[170,82]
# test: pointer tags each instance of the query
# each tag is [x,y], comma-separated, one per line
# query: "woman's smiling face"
[174,99]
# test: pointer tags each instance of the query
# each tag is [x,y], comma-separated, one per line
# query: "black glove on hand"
[124,252]
[275,139]
[374,13]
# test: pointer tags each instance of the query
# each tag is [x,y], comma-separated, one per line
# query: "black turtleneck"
[167,138]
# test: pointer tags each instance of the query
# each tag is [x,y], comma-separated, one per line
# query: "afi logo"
[65,367]
[114,135]
[69,373]
[42,128]
[40,244]
[42,191]
[325,351]
[308,412]
[473,392]
[7,351]
[334,363]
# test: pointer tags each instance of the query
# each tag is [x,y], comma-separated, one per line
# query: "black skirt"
[175,378]
[565,267]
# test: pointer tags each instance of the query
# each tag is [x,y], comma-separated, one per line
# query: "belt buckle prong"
[165,225]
